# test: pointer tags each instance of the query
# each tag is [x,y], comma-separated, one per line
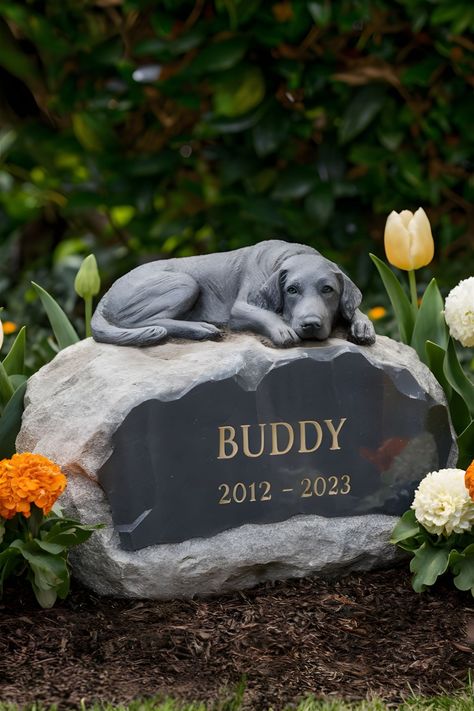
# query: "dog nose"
[311,323]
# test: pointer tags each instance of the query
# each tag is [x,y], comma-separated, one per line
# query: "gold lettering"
[229,439]
[335,433]
[245,441]
[291,437]
[303,448]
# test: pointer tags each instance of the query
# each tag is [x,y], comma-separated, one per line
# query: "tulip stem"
[413,292]
[88,315]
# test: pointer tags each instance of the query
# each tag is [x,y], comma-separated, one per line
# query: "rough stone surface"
[74,405]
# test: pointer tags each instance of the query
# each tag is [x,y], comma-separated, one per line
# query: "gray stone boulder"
[76,403]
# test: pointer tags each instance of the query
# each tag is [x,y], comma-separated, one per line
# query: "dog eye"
[292,290]
[327,289]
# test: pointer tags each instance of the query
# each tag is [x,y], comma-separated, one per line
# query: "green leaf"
[92,132]
[457,378]
[427,564]
[15,60]
[399,300]
[10,560]
[270,132]
[66,532]
[53,548]
[462,565]
[430,324]
[219,56]
[46,598]
[466,446]
[14,362]
[48,572]
[319,204]
[6,387]
[361,111]
[435,360]
[10,423]
[407,527]
[62,327]
[295,183]
[235,124]
[239,91]
[320,12]
[459,412]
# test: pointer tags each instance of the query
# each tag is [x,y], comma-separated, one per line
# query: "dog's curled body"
[284,291]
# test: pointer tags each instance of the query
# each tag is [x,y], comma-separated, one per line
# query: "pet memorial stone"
[216,465]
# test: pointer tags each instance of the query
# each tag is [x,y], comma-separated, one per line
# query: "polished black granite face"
[336,437]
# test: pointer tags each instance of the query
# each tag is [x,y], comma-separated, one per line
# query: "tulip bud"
[87,282]
[1,334]
[408,240]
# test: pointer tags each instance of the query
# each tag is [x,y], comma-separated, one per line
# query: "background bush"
[136,129]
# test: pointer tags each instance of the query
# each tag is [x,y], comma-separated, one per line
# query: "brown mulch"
[366,634]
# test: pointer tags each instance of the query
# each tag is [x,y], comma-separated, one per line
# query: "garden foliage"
[136,129]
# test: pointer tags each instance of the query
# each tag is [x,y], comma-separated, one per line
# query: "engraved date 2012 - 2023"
[263,491]
[296,435]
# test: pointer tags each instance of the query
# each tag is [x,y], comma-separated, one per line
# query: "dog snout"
[313,323]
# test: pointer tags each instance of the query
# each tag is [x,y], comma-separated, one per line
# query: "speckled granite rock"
[76,403]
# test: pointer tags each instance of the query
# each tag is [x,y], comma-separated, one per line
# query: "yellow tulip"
[408,240]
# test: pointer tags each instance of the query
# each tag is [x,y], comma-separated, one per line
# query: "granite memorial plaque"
[327,436]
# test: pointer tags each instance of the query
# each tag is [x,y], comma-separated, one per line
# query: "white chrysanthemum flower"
[459,312]
[442,503]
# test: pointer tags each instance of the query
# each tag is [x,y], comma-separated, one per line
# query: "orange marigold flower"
[27,479]
[377,312]
[469,479]
[9,327]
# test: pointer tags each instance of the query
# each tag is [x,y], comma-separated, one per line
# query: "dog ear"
[350,297]
[270,296]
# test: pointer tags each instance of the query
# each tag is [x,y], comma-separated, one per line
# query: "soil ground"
[366,634]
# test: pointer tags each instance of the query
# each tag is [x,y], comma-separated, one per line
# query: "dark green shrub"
[135,128]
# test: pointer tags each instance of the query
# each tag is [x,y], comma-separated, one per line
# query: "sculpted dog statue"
[286,292]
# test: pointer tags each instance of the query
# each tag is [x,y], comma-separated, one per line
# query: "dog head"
[310,292]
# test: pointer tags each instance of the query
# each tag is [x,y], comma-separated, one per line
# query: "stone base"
[76,403]
[233,560]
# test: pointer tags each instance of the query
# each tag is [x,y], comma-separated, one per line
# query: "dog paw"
[200,330]
[284,336]
[362,332]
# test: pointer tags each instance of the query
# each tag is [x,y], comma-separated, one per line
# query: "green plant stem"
[88,315]
[413,292]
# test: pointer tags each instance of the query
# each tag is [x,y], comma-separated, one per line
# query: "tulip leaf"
[459,412]
[6,386]
[457,378]
[435,361]
[10,422]
[62,327]
[466,446]
[14,362]
[430,323]
[399,300]
[428,563]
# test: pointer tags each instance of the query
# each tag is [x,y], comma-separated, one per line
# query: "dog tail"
[105,332]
